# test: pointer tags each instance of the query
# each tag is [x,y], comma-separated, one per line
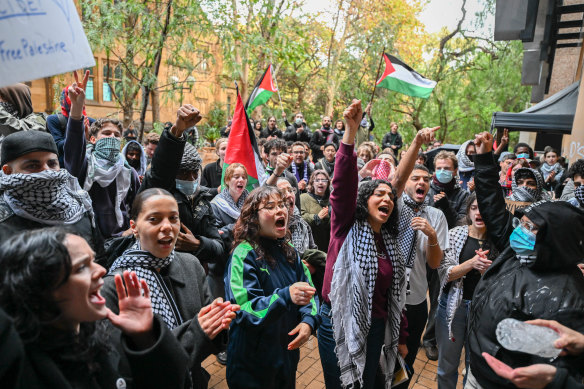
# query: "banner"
[40,38]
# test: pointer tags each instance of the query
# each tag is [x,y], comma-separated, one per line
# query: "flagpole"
[377,77]
[278,89]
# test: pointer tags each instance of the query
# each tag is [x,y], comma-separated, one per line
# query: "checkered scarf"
[145,265]
[579,194]
[353,283]
[228,205]
[464,162]
[301,232]
[523,193]
[48,197]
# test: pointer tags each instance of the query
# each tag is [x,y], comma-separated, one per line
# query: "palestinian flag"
[243,148]
[401,78]
[262,91]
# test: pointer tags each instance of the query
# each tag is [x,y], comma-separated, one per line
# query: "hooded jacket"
[143,159]
[551,287]
[517,192]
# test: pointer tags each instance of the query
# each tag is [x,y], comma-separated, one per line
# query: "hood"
[560,237]
[143,160]
[19,96]
[464,162]
[538,179]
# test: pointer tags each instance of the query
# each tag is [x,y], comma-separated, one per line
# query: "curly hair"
[33,265]
[577,169]
[247,226]
[99,123]
[366,190]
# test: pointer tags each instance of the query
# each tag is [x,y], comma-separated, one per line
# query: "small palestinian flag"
[262,91]
[401,78]
[243,148]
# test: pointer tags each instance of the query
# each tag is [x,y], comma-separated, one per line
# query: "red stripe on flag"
[239,148]
[388,69]
[268,82]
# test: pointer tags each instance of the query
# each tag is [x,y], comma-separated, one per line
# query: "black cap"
[23,142]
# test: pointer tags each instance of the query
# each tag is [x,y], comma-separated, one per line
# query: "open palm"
[136,314]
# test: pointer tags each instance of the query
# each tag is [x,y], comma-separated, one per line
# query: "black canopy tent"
[552,115]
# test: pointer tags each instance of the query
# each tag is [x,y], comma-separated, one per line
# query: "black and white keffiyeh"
[406,234]
[523,193]
[145,264]
[228,205]
[301,233]
[579,194]
[353,283]
[464,162]
[48,197]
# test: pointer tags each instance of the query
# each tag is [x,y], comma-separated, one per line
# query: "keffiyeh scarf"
[304,174]
[547,169]
[48,197]
[301,232]
[523,193]
[104,171]
[407,237]
[228,205]
[145,264]
[579,194]
[354,277]
[464,162]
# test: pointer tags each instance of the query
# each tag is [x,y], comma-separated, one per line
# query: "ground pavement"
[309,374]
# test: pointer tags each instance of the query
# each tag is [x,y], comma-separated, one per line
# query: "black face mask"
[471,157]
[135,163]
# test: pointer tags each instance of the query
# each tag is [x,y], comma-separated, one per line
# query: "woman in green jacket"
[314,207]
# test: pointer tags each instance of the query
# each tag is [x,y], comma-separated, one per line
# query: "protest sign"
[512,206]
[40,38]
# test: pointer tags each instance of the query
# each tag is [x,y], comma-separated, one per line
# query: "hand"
[187,116]
[581,267]
[402,350]
[282,163]
[76,94]
[483,142]
[480,261]
[302,185]
[301,293]
[369,167]
[551,176]
[571,341]
[368,109]
[310,268]
[136,316]
[425,135]
[471,185]
[128,232]
[323,213]
[439,196]
[421,224]
[505,137]
[216,317]
[533,377]
[353,114]
[303,330]
[393,147]
[186,241]
[300,130]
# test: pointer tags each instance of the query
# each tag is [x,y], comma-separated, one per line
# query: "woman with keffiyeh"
[365,277]
[227,204]
[179,292]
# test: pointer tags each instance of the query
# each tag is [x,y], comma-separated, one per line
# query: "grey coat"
[185,278]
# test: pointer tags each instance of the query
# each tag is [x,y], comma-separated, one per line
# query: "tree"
[137,36]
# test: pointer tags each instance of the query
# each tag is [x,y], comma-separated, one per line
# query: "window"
[114,72]
[89,92]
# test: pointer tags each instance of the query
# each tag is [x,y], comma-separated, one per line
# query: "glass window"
[114,72]
[89,92]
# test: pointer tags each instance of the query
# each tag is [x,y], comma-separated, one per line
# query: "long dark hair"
[247,226]
[33,264]
[142,197]
[366,190]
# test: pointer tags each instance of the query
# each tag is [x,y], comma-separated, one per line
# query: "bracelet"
[432,245]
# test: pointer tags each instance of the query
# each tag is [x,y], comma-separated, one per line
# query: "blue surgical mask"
[188,188]
[298,121]
[523,155]
[444,176]
[364,123]
[522,241]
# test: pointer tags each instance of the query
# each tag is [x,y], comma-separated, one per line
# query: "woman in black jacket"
[535,276]
[50,289]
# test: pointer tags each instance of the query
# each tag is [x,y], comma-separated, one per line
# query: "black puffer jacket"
[196,214]
[552,287]
[453,205]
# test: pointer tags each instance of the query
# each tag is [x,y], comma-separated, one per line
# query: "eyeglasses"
[321,180]
[274,207]
[526,225]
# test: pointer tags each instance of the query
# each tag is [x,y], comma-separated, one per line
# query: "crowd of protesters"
[126,265]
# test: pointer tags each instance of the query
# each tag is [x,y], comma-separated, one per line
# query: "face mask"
[364,123]
[188,188]
[444,176]
[108,149]
[579,194]
[471,157]
[298,121]
[522,241]
[523,193]
[523,155]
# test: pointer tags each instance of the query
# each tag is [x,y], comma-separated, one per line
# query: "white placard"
[40,38]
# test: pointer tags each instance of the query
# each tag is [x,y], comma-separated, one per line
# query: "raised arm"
[74,148]
[404,169]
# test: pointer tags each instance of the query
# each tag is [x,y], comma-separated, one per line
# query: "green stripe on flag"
[259,99]
[251,181]
[406,88]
